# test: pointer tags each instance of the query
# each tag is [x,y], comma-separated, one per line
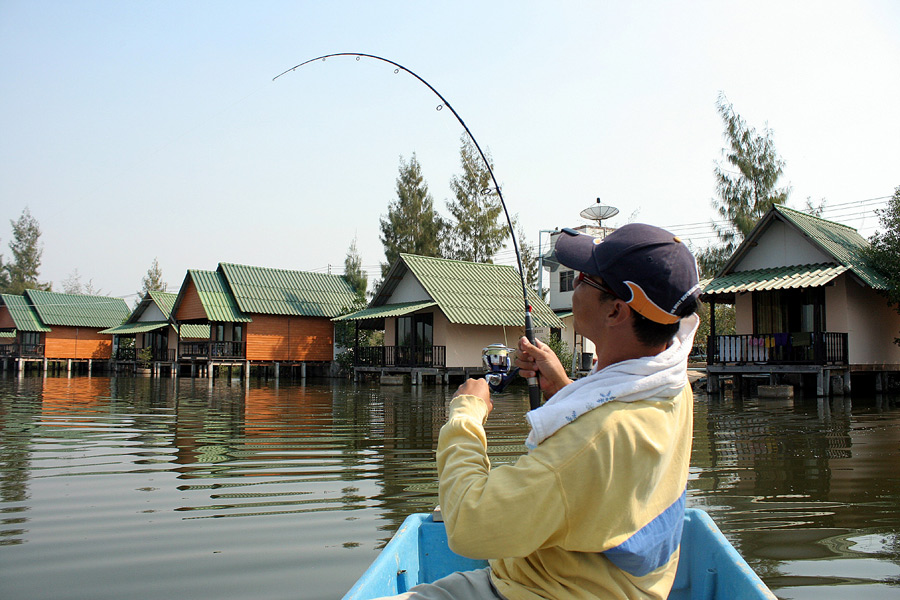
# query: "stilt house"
[153,334]
[438,315]
[807,307]
[53,326]
[261,315]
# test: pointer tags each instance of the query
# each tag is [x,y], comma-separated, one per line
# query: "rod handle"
[534,386]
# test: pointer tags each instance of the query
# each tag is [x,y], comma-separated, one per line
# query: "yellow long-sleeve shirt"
[594,511]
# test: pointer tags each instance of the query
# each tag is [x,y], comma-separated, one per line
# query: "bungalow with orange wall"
[51,326]
[260,315]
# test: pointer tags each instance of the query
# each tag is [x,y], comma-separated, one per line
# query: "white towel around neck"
[626,381]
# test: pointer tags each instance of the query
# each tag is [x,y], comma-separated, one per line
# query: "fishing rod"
[534,390]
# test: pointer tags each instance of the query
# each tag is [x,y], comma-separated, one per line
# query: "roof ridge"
[781,207]
[279,269]
[455,260]
[39,292]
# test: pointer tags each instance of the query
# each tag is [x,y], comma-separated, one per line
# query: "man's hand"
[476,387]
[539,358]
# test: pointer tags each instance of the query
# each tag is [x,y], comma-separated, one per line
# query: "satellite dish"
[598,212]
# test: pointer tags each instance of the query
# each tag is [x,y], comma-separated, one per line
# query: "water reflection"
[289,490]
[793,483]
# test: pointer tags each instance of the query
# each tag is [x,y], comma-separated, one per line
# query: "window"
[415,336]
[238,333]
[789,311]
[404,331]
[566,281]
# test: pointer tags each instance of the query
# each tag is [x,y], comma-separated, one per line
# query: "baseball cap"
[646,266]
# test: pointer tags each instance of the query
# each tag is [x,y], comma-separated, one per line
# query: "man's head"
[646,267]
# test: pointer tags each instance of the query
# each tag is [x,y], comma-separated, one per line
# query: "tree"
[883,252]
[477,232]
[530,263]
[151,282]
[4,276]
[411,225]
[22,273]
[73,285]
[744,194]
[813,209]
[346,333]
[725,320]
[353,272]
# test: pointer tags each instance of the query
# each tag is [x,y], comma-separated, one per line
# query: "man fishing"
[595,509]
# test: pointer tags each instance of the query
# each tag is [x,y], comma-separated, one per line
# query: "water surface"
[161,488]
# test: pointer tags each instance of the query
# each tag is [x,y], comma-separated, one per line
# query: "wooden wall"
[283,338]
[6,321]
[77,342]
[190,308]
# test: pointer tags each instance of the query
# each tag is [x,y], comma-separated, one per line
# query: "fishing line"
[534,391]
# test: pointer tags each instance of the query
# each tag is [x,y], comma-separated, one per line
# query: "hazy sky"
[135,130]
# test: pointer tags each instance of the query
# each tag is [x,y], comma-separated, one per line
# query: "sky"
[135,131]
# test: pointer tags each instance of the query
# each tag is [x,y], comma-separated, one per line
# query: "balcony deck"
[776,355]
[778,349]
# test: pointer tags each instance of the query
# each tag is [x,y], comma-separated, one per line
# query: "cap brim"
[577,252]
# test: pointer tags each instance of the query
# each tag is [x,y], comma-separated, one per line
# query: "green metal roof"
[22,313]
[477,293]
[282,292]
[217,300]
[77,310]
[386,310]
[135,328]
[165,301]
[197,331]
[840,241]
[8,334]
[775,278]
[188,330]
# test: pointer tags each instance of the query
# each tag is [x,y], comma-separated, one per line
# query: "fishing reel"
[498,369]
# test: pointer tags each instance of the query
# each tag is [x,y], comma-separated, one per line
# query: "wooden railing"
[22,350]
[124,354]
[211,350]
[156,355]
[401,356]
[778,348]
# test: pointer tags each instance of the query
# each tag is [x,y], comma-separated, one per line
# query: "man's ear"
[618,312]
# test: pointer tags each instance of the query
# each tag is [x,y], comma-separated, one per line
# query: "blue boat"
[709,567]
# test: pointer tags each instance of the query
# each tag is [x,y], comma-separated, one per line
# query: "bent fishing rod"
[534,390]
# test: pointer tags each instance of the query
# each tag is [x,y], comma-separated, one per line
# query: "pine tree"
[73,285]
[353,272]
[477,232]
[151,282]
[746,183]
[530,263]
[411,226]
[22,273]
[4,276]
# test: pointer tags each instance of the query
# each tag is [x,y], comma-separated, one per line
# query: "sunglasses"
[582,278]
